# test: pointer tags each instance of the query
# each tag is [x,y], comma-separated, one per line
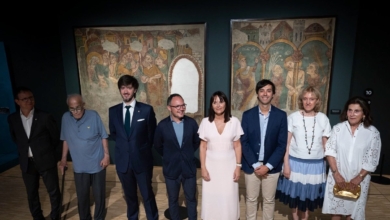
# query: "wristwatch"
[239,165]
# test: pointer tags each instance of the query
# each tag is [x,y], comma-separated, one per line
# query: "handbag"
[346,192]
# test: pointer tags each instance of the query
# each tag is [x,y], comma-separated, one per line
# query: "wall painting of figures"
[165,59]
[292,53]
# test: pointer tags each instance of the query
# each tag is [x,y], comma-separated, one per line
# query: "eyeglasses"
[179,106]
[73,110]
[31,98]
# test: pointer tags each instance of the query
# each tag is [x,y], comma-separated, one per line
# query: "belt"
[260,161]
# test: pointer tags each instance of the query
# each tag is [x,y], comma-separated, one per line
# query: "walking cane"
[62,191]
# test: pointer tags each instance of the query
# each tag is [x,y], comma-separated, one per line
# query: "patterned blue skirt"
[306,186]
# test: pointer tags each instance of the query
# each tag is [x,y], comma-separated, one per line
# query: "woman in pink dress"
[220,157]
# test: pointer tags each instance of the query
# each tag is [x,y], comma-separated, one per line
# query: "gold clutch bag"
[346,193]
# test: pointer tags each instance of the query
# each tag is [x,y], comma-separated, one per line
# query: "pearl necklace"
[312,138]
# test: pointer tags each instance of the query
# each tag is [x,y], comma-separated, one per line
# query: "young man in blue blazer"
[263,148]
[132,125]
[176,140]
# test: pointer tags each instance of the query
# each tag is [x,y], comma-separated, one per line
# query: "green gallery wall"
[41,49]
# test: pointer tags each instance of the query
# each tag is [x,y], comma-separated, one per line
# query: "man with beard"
[132,125]
[177,139]
[263,148]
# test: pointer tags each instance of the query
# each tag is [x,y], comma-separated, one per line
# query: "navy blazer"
[177,160]
[133,150]
[275,139]
[44,140]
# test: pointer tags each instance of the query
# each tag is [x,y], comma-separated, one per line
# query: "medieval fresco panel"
[292,53]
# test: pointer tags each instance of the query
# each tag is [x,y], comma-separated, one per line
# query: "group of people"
[283,157]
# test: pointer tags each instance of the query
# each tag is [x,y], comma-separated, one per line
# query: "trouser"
[253,183]
[83,182]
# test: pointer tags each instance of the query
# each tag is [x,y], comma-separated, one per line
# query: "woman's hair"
[223,98]
[367,120]
[313,90]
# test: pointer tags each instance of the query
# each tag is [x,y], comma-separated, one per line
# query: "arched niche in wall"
[186,79]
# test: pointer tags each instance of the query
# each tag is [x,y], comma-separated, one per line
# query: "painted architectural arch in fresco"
[292,53]
[148,53]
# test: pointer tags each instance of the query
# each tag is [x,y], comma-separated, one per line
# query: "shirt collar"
[269,111]
[132,104]
[29,114]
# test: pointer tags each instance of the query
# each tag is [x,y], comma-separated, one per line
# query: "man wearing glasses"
[37,136]
[132,126]
[84,135]
[176,140]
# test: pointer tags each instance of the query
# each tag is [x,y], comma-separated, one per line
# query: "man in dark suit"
[176,139]
[132,125]
[37,136]
[263,148]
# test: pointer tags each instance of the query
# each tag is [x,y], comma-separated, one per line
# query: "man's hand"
[262,171]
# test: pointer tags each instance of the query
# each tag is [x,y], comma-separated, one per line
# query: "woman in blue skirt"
[302,185]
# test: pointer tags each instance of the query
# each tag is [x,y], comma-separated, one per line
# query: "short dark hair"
[263,83]
[363,104]
[21,89]
[126,80]
[221,96]
[171,97]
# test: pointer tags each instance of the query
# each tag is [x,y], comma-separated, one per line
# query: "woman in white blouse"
[303,182]
[352,151]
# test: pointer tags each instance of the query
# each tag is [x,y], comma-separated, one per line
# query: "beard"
[128,99]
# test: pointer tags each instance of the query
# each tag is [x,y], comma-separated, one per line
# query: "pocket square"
[142,119]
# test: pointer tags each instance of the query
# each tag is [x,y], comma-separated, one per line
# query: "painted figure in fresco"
[277,79]
[294,87]
[245,78]
[91,70]
[103,71]
[113,67]
[153,78]
[161,62]
[122,70]
[314,78]
[136,70]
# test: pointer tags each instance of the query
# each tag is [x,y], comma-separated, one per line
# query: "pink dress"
[220,198]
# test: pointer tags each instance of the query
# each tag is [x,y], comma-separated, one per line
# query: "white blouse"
[298,145]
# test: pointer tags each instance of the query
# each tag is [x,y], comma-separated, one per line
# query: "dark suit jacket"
[275,139]
[137,147]
[177,160]
[44,139]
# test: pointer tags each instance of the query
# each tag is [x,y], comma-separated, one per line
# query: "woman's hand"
[236,174]
[356,181]
[286,171]
[340,181]
[205,174]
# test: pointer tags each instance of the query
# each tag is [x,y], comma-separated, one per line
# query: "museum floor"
[13,202]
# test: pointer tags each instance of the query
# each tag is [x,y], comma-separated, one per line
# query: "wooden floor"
[13,202]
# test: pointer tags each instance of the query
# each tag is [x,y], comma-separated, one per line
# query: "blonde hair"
[313,90]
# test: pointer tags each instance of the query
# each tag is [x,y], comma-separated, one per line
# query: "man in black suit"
[177,139]
[36,135]
[132,125]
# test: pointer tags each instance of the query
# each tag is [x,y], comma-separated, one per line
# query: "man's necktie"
[127,120]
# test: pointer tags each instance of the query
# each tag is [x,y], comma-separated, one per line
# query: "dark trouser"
[83,182]
[189,188]
[50,179]
[129,181]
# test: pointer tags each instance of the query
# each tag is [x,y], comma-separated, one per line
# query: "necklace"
[312,138]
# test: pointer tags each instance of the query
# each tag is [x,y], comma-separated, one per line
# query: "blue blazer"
[275,139]
[134,150]
[177,160]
